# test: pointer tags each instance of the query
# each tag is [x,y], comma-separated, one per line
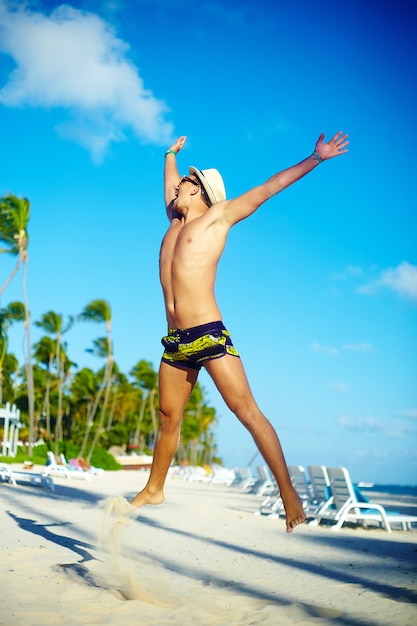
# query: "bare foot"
[294,512]
[145,497]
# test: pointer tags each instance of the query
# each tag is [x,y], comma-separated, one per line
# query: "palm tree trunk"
[12,275]
[153,414]
[58,429]
[107,378]
[47,404]
[112,408]
[28,362]
[90,419]
[140,420]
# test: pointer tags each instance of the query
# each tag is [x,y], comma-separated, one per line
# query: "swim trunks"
[190,347]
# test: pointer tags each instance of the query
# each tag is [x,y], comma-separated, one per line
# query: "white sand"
[201,559]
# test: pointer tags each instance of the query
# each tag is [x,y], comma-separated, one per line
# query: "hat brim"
[205,184]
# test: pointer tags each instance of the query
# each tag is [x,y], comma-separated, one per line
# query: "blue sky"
[319,287]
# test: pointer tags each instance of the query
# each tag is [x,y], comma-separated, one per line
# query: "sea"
[398,498]
[394,490]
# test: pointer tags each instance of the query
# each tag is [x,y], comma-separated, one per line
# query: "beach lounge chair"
[55,469]
[196,473]
[273,505]
[222,475]
[6,474]
[321,496]
[64,470]
[349,505]
[299,480]
[244,478]
[27,478]
[82,465]
[265,484]
[35,479]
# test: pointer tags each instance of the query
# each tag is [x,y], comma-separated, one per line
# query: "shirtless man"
[200,219]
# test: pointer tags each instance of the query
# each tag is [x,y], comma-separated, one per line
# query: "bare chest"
[186,243]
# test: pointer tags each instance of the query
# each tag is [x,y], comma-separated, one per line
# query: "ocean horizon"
[399,490]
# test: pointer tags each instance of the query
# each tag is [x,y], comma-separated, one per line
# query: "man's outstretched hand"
[332,148]
[178,145]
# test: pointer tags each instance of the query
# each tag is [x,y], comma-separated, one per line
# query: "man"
[200,219]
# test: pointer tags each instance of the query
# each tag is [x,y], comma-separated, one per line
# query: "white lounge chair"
[222,475]
[6,474]
[64,470]
[321,496]
[348,506]
[273,506]
[244,478]
[299,480]
[27,478]
[265,483]
[97,471]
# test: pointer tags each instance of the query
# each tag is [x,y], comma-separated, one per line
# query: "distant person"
[200,219]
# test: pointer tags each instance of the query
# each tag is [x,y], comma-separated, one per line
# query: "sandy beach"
[201,559]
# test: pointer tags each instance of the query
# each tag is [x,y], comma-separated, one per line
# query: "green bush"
[38,456]
[100,457]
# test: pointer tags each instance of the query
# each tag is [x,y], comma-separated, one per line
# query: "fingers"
[178,145]
[336,137]
[337,140]
[338,143]
[181,141]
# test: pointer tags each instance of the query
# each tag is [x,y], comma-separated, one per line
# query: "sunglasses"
[186,179]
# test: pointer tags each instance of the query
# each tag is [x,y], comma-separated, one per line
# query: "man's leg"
[230,379]
[175,386]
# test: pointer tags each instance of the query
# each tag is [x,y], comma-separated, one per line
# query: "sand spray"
[119,514]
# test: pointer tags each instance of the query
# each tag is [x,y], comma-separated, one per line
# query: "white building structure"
[10,416]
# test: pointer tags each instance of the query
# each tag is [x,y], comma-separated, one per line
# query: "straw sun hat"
[212,182]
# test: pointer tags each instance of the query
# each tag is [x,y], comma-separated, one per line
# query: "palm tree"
[14,218]
[117,378]
[100,311]
[53,324]
[84,388]
[146,378]
[10,368]
[44,352]
[122,415]
[195,432]
[15,311]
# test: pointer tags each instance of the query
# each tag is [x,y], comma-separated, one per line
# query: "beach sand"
[201,559]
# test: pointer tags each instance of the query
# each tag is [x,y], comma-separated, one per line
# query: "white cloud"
[349,272]
[318,347]
[409,413]
[73,60]
[340,386]
[363,424]
[401,279]
[362,346]
[391,428]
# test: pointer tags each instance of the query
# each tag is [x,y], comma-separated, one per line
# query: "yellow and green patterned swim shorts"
[190,347]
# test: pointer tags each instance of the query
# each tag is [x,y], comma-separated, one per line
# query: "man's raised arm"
[171,175]
[246,204]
